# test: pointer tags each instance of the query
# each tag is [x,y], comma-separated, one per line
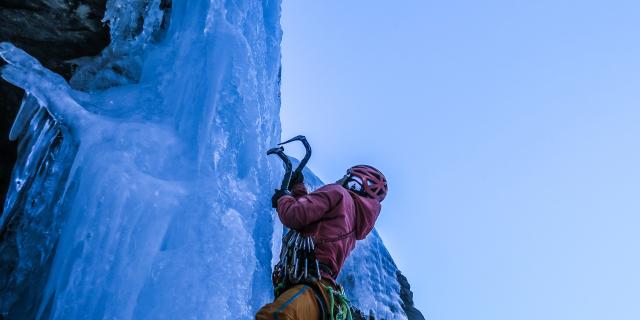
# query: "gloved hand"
[277,195]
[295,179]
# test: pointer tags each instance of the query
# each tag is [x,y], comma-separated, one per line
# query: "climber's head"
[366,181]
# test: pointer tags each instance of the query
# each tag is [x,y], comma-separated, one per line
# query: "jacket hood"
[367,212]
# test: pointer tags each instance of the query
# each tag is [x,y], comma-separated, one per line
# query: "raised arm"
[297,213]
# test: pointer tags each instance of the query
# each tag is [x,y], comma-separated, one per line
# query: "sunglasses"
[354,183]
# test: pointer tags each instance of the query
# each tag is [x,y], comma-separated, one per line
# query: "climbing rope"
[343,305]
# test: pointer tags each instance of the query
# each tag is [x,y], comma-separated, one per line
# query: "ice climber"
[334,217]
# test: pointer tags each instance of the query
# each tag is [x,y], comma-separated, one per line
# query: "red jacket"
[334,216]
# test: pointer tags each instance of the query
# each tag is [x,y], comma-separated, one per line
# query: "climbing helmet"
[367,181]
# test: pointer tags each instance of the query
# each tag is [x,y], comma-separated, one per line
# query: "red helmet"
[373,183]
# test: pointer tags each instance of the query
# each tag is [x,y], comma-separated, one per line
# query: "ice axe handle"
[279,151]
[307,148]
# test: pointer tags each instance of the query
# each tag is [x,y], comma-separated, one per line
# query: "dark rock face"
[53,31]
[10,97]
[407,298]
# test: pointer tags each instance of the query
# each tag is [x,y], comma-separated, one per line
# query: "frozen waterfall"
[142,189]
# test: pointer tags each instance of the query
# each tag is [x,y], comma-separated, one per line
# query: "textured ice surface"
[149,199]
[369,278]
[147,194]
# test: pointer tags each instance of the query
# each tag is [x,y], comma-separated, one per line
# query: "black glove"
[295,179]
[277,195]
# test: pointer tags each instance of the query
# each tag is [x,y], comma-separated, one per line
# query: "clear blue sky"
[510,135]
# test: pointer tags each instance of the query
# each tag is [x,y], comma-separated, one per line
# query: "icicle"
[28,108]
[38,149]
[49,88]
[33,150]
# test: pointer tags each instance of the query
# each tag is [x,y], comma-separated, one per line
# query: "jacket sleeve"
[298,190]
[305,210]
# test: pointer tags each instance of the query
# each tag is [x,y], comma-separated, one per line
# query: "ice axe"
[279,151]
[307,155]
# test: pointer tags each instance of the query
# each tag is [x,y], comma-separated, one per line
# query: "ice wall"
[146,195]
